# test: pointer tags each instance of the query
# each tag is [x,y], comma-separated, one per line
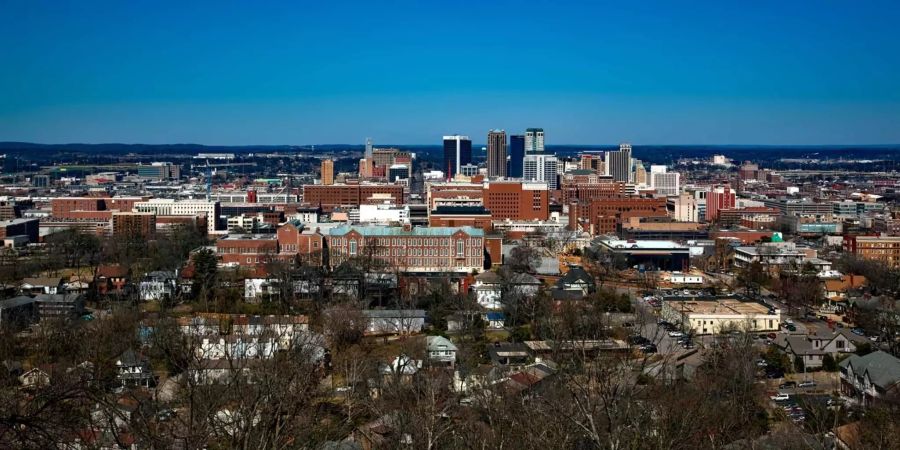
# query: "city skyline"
[707,73]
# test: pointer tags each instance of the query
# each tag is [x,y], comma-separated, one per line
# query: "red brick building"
[461,216]
[335,195]
[517,200]
[133,225]
[247,249]
[603,215]
[293,241]
[416,250]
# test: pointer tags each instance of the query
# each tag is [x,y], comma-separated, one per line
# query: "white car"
[780,397]
[675,334]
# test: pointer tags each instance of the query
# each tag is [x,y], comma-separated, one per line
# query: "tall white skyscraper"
[369,148]
[534,140]
[541,167]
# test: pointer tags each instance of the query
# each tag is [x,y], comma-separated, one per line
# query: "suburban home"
[494,320]
[865,379]
[440,351]
[221,371]
[509,354]
[488,290]
[813,348]
[836,289]
[576,279]
[158,285]
[133,369]
[35,378]
[111,280]
[41,285]
[394,321]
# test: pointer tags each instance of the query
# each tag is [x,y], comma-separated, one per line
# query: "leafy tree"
[829,364]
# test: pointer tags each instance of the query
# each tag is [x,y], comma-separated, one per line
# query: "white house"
[441,351]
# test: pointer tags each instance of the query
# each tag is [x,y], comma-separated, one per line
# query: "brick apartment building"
[604,215]
[247,249]
[336,195]
[575,188]
[884,249]
[457,250]
[133,225]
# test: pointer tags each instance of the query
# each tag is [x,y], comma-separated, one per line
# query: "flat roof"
[643,244]
[722,306]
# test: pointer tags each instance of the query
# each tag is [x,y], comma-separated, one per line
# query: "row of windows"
[474,242]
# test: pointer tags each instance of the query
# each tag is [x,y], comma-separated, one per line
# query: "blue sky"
[306,72]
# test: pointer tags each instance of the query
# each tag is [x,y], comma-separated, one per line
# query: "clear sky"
[316,72]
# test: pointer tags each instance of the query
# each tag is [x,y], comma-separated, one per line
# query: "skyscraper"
[496,153]
[534,140]
[516,155]
[618,163]
[457,152]
[327,172]
[541,167]
[664,182]
[369,148]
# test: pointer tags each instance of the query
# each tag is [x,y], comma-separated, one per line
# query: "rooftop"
[726,307]
[400,231]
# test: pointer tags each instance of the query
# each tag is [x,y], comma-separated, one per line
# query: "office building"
[398,172]
[457,152]
[496,153]
[541,167]
[368,148]
[534,140]
[664,182]
[517,200]
[159,171]
[20,227]
[618,163]
[171,207]
[327,172]
[336,195]
[721,198]
[516,156]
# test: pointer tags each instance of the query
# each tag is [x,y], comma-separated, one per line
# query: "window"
[839,343]
[353,246]
[460,248]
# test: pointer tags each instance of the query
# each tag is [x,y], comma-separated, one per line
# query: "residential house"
[35,378]
[577,279]
[837,289]
[813,348]
[509,354]
[488,290]
[440,351]
[865,379]
[133,369]
[394,321]
[158,285]
[111,280]
[41,285]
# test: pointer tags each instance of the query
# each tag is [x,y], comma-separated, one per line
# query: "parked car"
[807,384]
[787,385]
[675,334]
[638,340]
[761,363]
[780,397]
[858,331]
[648,348]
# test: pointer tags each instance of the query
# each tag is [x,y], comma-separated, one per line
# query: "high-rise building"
[640,173]
[327,171]
[541,167]
[618,163]
[516,155]
[719,199]
[457,152]
[369,148]
[664,182]
[534,140]
[496,153]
